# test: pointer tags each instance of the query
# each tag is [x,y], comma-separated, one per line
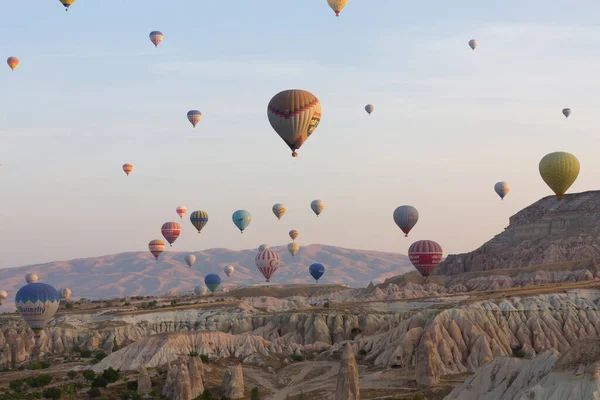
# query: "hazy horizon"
[91,93]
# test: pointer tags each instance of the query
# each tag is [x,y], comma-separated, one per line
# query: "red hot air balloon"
[425,255]
[171,231]
[181,210]
[156,247]
[267,262]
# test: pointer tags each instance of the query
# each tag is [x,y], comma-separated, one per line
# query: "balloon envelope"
[200,290]
[502,189]
[37,303]
[279,210]
[171,231]
[267,263]
[67,3]
[293,234]
[12,62]
[228,270]
[127,168]
[316,270]
[190,259]
[156,247]
[32,277]
[181,210]
[293,248]
[212,282]
[194,116]
[406,218]
[369,108]
[425,255]
[566,112]
[317,206]
[156,37]
[559,170]
[337,5]
[64,293]
[199,219]
[241,219]
[473,43]
[263,247]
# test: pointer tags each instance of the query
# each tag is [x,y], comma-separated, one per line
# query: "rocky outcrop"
[185,379]
[233,383]
[347,383]
[144,381]
[548,231]
[428,369]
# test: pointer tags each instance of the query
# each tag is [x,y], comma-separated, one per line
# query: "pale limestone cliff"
[233,383]
[144,381]
[347,384]
[185,379]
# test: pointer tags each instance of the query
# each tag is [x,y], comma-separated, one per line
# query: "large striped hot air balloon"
[181,210]
[171,231]
[279,210]
[425,255]
[194,116]
[241,219]
[156,247]
[559,170]
[293,248]
[294,115]
[267,262]
[337,5]
[199,219]
[316,271]
[37,303]
[406,218]
[127,168]
[67,3]
[32,277]
[317,206]
[293,234]
[156,37]
[502,189]
[212,282]
[12,62]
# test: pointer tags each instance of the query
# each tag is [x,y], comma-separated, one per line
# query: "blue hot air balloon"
[37,303]
[241,219]
[212,282]
[317,270]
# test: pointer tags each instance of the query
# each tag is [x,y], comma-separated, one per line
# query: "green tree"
[254,395]
[99,382]
[111,375]
[38,381]
[89,375]
[85,353]
[71,374]
[94,393]
[100,355]
[53,393]
[16,385]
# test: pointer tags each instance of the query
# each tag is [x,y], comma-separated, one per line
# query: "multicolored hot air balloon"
[293,248]
[502,189]
[267,262]
[316,271]
[200,290]
[127,168]
[3,296]
[241,219]
[293,234]
[559,170]
[473,44]
[425,255]
[369,108]
[212,282]
[199,219]
[64,293]
[406,218]
[566,112]
[171,231]
[12,62]
[190,259]
[156,37]
[294,115]
[317,206]
[263,247]
[194,116]
[67,3]
[279,210]
[156,247]
[337,5]
[37,303]
[181,210]
[32,277]
[228,270]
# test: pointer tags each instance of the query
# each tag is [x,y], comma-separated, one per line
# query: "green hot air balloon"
[199,219]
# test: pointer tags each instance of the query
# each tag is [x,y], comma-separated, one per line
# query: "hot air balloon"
[199,219]
[190,259]
[473,43]
[12,62]
[559,170]
[127,168]
[406,218]
[317,206]
[293,248]
[156,37]
[67,3]
[294,115]
[3,296]
[279,210]
[181,210]
[316,270]
[37,303]
[156,247]
[200,290]
[212,282]
[263,247]
[241,219]
[369,108]
[337,5]
[293,234]
[64,293]
[425,255]
[228,270]
[171,231]
[32,278]
[267,262]
[194,116]
[566,112]
[502,189]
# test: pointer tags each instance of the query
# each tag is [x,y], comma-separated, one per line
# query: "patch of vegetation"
[89,375]
[418,397]
[69,306]
[326,304]
[132,386]
[94,393]
[100,355]
[17,385]
[111,375]
[72,374]
[519,352]
[173,303]
[193,354]
[99,382]
[296,357]
[254,394]
[204,358]
[53,393]
[38,381]
[362,352]
[85,353]
[206,395]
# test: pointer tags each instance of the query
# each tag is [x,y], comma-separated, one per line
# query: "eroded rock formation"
[347,383]
[233,383]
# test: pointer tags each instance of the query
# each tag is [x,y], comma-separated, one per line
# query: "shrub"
[326,304]
[418,397]
[38,381]
[53,393]
[132,386]
[71,374]
[85,353]
[45,364]
[94,392]
[35,366]
[254,395]
[99,382]
[173,303]
[69,306]
[127,303]
[111,375]
[206,395]
[519,352]
[16,385]
[89,375]
[296,357]
[362,352]
[204,358]
[100,355]
[193,354]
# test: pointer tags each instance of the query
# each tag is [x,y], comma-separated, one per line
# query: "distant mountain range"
[137,273]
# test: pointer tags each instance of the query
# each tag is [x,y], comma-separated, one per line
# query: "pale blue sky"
[92,93]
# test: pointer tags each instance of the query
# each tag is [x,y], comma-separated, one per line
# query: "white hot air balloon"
[200,290]
[263,247]
[3,296]
[32,277]
[64,293]
[228,270]
[190,259]
[267,263]
[317,206]
[293,248]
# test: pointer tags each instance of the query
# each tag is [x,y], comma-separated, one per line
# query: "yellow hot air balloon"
[559,170]
[337,5]
[67,3]
[12,62]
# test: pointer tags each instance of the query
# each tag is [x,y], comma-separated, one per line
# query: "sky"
[92,93]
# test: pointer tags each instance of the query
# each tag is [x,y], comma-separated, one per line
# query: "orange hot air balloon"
[156,247]
[127,168]
[181,210]
[12,62]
